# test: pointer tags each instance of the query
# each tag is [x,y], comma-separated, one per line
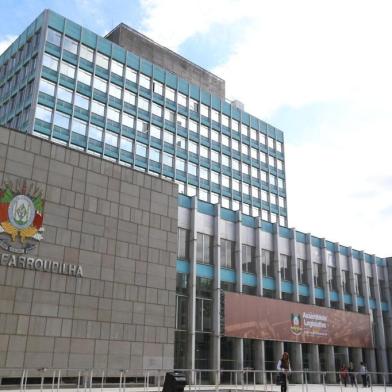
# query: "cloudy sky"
[321,71]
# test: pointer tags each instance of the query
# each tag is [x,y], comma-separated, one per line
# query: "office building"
[172,201]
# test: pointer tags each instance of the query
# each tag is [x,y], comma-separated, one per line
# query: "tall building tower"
[158,113]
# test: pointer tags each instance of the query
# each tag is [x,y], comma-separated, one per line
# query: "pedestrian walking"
[343,374]
[284,369]
[351,374]
[363,373]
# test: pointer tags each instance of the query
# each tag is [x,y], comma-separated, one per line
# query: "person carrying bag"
[284,370]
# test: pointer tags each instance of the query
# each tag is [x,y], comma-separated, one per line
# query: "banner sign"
[248,316]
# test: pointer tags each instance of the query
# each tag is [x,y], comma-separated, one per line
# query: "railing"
[93,380]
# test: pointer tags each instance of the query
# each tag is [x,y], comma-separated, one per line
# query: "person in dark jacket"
[284,368]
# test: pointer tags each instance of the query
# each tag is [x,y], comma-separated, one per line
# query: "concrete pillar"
[238,253]
[356,358]
[278,349]
[310,274]
[260,361]
[324,268]
[314,364]
[330,362]
[216,346]
[381,352]
[259,259]
[370,360]
[295,351]
[352,279]
[364,281]
[192,288]
[339,273]
[277,273]
[294,266]
[239,355]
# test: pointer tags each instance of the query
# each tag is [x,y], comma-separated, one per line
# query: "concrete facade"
[120,225]
[141,45]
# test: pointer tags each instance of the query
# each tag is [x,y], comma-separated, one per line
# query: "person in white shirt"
[363,373]
[284,368]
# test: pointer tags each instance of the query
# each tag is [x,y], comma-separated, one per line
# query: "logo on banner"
[296,324]
[21,217]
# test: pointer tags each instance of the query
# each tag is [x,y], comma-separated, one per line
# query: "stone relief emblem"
[21,216]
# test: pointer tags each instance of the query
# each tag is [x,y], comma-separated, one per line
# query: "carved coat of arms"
[21,216]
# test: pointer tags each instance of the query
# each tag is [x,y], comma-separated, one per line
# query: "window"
[128,120]
[130,74]
[155,155]
[54,37]
[204,249]
[193,105]
[141,150]
[270,142]
[180,142]
[234,145]
[181,311]
[215,177]
[203,173]
[155,132]
[181,99]
[100,84]
[204,131]
[170,94]
[285,267]
[248,259]
[167,159]
[214,115]
[225,120]
[64,94]
[115,91]
[46,87]
[141,126]
[95,133]
[156,110]
[234,125]
[86,53]
[203,314]
[126,144]
[145,81]
[205,110]
[50,62]
[302,271]
[144,104]
[61,120]
[111,139]
[180,164]
[129,98]
[70,45]
[192,147]
[84,77]
[81,101]
[168,137]
[244,130]
[113,114]
[227,254]
[181,121]
[317,275]
[358,284]
[157,87]
[43,113]
[169,115]
[371,292]
[192,169]
[102,61]
[98,108]
[79,127]
[183,244]
[279,147]
[117,68]
[346,281]
[225,160]
[214,156]
[67,70]
[267,263]
[332,279]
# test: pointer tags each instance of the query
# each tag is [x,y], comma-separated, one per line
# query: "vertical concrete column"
[278,349]
[370,360]
[310,273]
[364,281]
[387,271]
[259,258]
[330,361]
[352,279]
[296,361]
[277,272]
[380,339]
[357,358]
[325,278]
[260,361]
[343,351]
[314,364]
[294,268]
[216,351]
[192,288]
[239,355]
[238,349]
[339,274]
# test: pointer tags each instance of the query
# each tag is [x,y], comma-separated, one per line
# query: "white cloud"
[6,42]
[295,54]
